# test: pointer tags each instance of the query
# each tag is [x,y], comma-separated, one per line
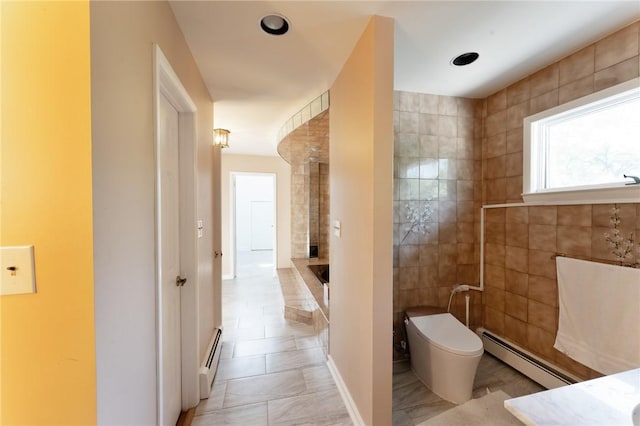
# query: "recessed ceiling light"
[274,24]
[465,59]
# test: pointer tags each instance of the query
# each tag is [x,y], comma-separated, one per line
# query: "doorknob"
[180,281]
[217,254]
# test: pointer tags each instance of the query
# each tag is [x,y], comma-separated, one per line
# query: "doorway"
[176,244]
[254,212]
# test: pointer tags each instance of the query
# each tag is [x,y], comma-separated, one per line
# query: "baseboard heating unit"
[210,364]
[525,362]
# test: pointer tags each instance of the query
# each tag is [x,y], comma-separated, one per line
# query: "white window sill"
[618,194]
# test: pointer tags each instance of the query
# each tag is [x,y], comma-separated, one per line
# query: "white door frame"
[167,83]
[232,216]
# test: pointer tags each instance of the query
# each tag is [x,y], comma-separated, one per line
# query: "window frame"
[533,153]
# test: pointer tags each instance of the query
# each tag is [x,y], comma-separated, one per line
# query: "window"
[580,151]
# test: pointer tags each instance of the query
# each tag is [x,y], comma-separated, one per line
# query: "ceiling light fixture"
[274,24]
[465,59]
[221,138]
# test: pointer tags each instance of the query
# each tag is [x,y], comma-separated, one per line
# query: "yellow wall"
[361,157]
[47,364]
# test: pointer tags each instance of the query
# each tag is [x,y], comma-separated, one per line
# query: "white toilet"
[444,354]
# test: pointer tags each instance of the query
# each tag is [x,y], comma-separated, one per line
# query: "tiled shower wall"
[319,212]
[520,276]
[299,209]
[437,166]
[325,212]
[296,148]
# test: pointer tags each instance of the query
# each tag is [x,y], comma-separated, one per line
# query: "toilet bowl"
[444,354]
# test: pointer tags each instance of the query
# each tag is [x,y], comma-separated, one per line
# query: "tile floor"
[413,403]
[272,371]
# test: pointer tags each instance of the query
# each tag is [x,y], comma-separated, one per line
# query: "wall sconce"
[221,138]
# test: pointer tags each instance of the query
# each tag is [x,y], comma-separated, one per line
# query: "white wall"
[257,164]
[250,188]
[122,36]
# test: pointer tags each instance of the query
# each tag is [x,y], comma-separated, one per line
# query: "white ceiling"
[258,81]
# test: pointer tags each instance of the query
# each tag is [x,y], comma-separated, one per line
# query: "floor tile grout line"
[276,352]
[268,400]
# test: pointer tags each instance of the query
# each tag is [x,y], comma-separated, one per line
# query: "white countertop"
[607,400]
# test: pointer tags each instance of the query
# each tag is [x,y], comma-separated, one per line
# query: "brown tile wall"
[299,210]
[325,212]
[521,293]
[603,64]
[296,148]
[521,296]
[314,203]
[437,163]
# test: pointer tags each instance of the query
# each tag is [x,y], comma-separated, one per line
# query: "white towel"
[599,314]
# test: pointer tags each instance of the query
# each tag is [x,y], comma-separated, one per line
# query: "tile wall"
[325,212]
[314,206]
[299,210]
[310,139]
[437,166]
[521,290]
[455,155]
[520,301]
[603,64]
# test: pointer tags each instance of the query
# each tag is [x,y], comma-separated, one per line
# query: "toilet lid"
[449,334]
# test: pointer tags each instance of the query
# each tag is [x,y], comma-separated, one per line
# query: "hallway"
[272,371]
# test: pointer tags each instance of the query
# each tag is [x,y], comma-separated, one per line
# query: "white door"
[261,225]
[169,244]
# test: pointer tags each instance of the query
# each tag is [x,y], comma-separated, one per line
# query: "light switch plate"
[17,273]
[200,228]
[337,228]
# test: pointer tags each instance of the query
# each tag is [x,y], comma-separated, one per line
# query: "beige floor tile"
[291,328]
[318,379]
[264,346]
[294,359]
[401,418]
[320,408]
[412,393]
[237,334]
[265,387]
[420,413]
[215,400]
[274,308]
[230,322]
[240,367]
[227,350]
[248,321]
[306,342]
[246,415]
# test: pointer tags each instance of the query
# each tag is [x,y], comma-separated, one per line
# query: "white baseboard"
[356,418]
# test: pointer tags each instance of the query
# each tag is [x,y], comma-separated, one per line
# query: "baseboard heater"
[525,362]
[210,364]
